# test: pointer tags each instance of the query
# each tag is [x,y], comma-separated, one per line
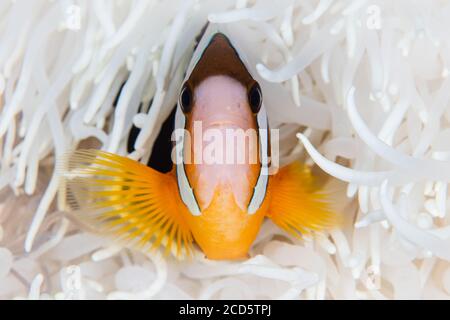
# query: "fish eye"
[185,99]
[255,97]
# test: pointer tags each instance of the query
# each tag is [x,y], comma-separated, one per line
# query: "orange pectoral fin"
[296,206]
[126,200]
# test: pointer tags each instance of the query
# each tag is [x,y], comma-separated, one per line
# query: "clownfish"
[217,206]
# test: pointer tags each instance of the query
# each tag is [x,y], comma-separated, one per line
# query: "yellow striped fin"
[296,205]
[126,200]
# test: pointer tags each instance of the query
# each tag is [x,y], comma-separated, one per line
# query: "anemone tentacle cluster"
[358,88]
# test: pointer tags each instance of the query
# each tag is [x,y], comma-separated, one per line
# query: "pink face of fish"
[220,101]
[227,154]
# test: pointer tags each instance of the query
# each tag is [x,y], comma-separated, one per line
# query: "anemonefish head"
[222,177]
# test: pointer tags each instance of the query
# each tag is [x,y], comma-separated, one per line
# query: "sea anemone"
[358,89]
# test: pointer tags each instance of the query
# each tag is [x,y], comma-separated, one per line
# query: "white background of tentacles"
[363,86]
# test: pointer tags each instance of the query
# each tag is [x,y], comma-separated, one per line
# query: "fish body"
[219,191]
